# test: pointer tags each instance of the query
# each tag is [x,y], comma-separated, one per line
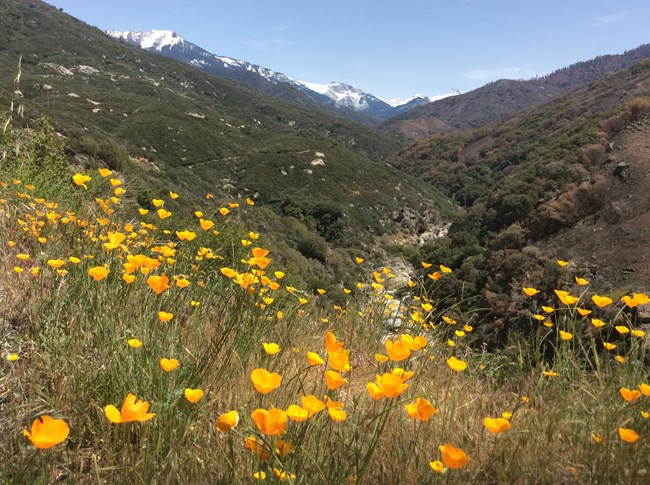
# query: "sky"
[393,48]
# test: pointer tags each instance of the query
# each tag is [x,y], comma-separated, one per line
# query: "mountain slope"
[565,180]
[347,100]
[500,99]
[195,133]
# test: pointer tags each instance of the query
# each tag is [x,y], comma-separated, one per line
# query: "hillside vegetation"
[541,173]
[168,126]
[144,347]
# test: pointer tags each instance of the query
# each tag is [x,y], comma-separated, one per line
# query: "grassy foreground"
[246,377]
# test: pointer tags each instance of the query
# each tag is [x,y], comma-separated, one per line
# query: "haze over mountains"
[336,94]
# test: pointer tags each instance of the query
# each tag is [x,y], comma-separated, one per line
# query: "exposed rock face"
[423,226]
[622,170]
[402,272]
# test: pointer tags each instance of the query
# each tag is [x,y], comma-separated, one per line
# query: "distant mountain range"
[500,99]
[338,95]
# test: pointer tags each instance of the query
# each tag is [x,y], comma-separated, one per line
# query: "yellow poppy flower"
[456,364]
[414,343]
[186,235]
[81,179]
[601,301]
[331,343]
[437,466]
[530,291]
[496,425]
[312,404]
[257,448]
[314,359]
[297,413]
[597,323]
[271,348]
[165,316]
[55,263]
[265,381]
[581,281]
[134,343]
[381,358]
[565,335]
[193,395]
[168,365]
[98,273]
[339,360]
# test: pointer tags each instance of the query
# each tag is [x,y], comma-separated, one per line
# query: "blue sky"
[390,48]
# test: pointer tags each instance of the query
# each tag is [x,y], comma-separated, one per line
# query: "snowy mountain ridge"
[336,94]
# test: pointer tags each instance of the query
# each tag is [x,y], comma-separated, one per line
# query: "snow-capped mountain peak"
[336,94]
[342,94]
[154,40]
[395,102]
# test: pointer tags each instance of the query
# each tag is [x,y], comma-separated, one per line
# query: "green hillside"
[168,126]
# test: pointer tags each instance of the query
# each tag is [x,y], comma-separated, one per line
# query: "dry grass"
[71,332]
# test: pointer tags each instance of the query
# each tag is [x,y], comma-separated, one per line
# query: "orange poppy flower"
[227,421]
[272,422]
[47,432]
[453,457]
[158,283]
[397,351]
[391,385]
[334,380]
[133,409]
[421,409]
